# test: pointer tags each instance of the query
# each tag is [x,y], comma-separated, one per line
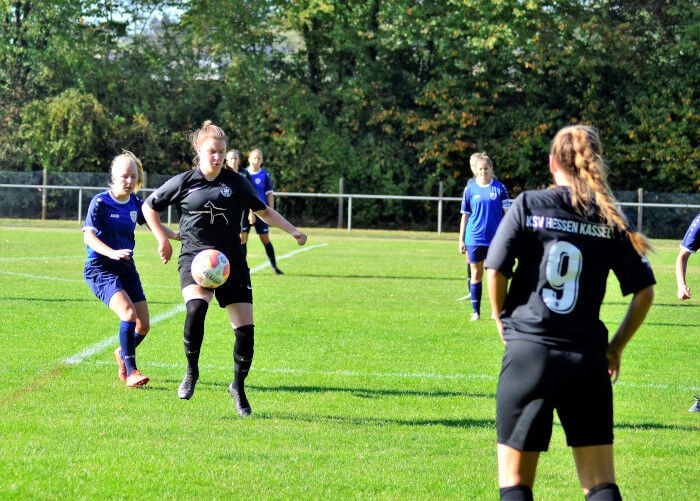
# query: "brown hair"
[579,152]
[207,130]
[134,160]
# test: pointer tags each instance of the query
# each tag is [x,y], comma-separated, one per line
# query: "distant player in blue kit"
[484,202]
[263,185]
[565,240]
[689,245]
[210,200]
[110,271]
[233,162]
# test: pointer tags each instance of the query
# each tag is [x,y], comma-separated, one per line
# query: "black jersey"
[563,262]
[210,211]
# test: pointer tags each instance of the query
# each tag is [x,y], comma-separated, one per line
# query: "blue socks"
[475,290]
[127,341]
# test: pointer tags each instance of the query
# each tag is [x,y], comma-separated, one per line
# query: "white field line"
[112,340]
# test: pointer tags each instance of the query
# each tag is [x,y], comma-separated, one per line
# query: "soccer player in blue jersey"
[689,245]
[263,185]
[484,202]
[110,271]
[210,200]
[233,162]
[565,240]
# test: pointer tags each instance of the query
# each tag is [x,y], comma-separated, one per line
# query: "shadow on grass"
[655,426]
[377,277]
[375,421]
[370,393]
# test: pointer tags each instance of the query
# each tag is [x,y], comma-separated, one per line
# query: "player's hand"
[300,237]
[684,293]
[121,254]
[614,359]
[462,248]
[165,251]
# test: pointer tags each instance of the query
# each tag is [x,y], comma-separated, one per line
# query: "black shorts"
[237,289]
[536,379]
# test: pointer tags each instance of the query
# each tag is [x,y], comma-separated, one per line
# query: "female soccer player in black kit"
[210,201]
[557,356]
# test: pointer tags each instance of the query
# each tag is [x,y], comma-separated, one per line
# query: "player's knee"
[196,309]
[143,326]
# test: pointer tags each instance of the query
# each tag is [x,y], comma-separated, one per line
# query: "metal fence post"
[44,193]
[439,221]
[640,210]
[349,213]
[340,203]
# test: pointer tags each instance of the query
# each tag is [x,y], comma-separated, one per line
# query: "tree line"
[393,96]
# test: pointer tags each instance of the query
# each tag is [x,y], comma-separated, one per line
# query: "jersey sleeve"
[166,195]
[691,240]
[268,183]
[249,196]
[465,208]
[505,197]
[502,251]
[140,219]
[632,270]
[92,219]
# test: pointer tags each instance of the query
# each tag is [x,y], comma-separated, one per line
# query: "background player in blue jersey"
[263,185]
[484,202]
[210,200]
[689,245]
[233,162]
[565,241]
[110,271]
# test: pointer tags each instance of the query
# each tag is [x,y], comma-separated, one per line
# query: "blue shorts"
[536,379]
[261,227]
[106,277]
[236,289]
[477,253]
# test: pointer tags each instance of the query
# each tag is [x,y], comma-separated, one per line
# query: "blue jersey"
[113,221]
[262,182]
[691,240]
[485,205]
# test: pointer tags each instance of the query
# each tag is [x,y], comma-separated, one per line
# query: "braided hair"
[579,152]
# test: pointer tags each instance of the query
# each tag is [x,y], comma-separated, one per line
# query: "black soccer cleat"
[186,389]
[242,405]
[696,406]
[278,271]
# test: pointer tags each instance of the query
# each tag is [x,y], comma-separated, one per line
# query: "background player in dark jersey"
[557,355]
[209,200]
[233,162]
[484,202]
[263,184]
[110,271]
[689,245]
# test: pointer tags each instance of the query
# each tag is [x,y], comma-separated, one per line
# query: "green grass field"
[369,381]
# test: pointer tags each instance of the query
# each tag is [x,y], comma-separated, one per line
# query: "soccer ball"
[210,268]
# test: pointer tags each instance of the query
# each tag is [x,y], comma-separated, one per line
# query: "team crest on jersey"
[133,215]
[226,190]
[493,195]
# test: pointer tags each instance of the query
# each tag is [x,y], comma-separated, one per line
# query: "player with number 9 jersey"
[563,264]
